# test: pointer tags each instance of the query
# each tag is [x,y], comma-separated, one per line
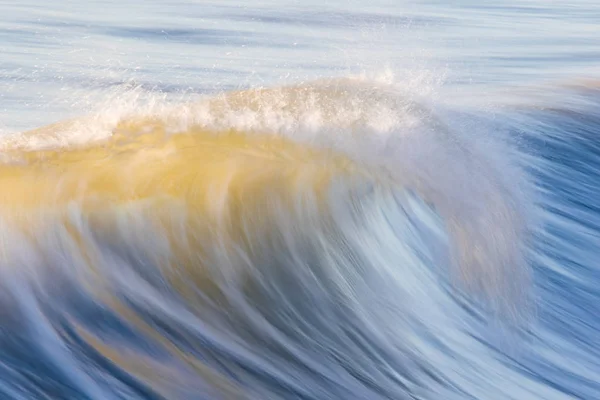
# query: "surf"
[296,228]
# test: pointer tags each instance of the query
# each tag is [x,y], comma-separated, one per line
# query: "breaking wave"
[335,239]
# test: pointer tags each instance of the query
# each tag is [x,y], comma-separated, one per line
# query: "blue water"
[484,115]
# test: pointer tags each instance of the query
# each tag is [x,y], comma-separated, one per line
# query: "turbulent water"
[240,202]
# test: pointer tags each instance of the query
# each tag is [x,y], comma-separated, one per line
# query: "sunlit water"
[315,200]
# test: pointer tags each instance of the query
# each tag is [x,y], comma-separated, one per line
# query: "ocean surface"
[300,199]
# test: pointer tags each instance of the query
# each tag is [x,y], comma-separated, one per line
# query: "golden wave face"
[195,187]
[131,166]
[202,207]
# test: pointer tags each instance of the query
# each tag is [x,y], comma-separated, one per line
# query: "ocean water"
[299,200]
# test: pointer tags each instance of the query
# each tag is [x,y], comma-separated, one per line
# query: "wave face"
[339,239]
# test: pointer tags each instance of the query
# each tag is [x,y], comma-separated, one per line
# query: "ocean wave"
[333,239]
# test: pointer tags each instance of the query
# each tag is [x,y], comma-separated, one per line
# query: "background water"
[523,70]
[55,54]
